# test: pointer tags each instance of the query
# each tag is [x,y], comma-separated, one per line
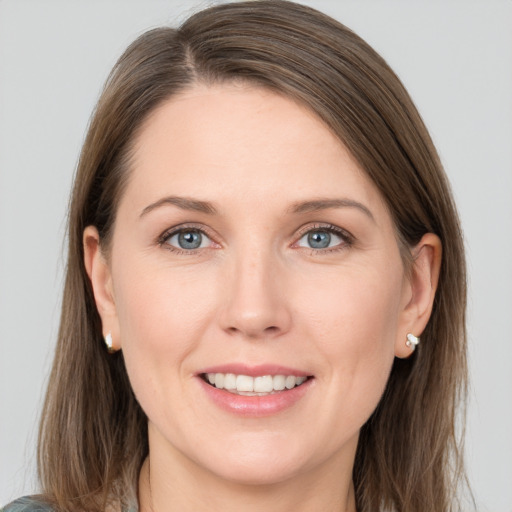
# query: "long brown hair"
[93,434]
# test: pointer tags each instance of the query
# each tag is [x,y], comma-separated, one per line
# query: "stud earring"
[109,343]
[412,341]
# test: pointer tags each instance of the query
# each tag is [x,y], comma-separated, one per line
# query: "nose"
[256,305]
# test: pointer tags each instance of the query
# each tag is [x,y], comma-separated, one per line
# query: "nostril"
[269,331]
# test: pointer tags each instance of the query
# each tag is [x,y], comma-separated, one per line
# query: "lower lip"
[256,405]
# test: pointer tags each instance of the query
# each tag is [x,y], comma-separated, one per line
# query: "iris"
[319,239]
[190,239]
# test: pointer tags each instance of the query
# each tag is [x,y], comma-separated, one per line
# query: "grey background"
[455,57]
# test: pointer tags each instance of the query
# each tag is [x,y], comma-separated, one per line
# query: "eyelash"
[348,239]
[162,239]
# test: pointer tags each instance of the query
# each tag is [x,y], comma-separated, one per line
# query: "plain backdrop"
[455,58]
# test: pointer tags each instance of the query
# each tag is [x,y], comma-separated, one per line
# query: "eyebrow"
[184,203]
[324,204]
[314,205]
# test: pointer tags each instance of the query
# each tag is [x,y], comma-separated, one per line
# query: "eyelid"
[316,226]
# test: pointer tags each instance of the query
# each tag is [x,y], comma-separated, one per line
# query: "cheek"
[159,306]
[162,317]
[357,310]
[354,326]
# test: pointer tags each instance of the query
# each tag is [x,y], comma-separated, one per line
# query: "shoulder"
[33,504]
[27,504]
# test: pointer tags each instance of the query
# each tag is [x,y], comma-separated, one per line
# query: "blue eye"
[321,239]
[188,239]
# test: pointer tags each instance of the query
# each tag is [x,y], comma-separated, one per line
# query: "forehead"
[237,140]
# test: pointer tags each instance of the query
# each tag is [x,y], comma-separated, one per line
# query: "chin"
[270,473]
[258,464]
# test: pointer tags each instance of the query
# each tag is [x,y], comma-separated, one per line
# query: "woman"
[260,232]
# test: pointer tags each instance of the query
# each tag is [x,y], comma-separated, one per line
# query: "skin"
[254,293]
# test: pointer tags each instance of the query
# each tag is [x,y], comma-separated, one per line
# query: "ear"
[99,273]
[419,291]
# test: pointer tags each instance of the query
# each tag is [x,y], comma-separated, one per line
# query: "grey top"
[27,504]
[31,504]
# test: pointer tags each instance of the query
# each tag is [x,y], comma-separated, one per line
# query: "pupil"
[319,239]
[189,240]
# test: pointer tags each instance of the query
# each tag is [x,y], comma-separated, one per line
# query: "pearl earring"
[412,341]
[109,343]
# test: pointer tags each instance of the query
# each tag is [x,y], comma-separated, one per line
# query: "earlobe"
[99,273]
[422,286]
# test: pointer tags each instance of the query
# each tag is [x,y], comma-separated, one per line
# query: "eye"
[187,239]
[324,238]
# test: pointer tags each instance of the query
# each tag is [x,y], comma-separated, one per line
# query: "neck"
[187,489]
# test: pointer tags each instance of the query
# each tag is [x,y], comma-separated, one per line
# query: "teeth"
[244,383]
[289,382]
[219,380]
[230,381]
[264,384]
[252,386]
[279,382]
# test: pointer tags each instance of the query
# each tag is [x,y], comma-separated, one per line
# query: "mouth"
[261,385]
[258,390]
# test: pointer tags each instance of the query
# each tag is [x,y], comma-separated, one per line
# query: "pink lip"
[254,371]
[254,406]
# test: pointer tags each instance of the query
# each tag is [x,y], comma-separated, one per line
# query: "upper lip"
[254,371]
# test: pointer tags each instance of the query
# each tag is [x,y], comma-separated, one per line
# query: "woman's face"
[251,251]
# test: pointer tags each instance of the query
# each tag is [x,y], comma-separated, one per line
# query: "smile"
[246,385]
